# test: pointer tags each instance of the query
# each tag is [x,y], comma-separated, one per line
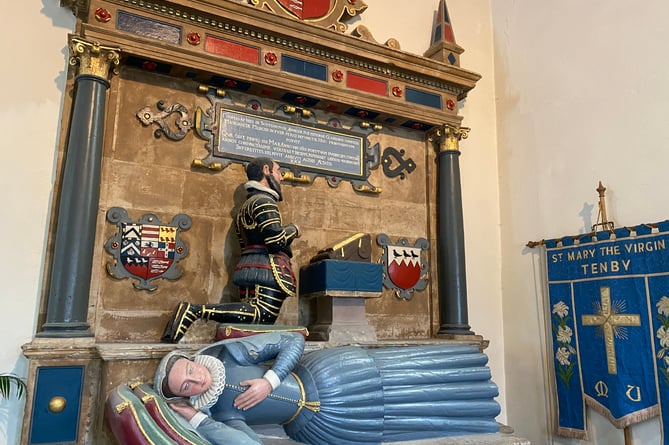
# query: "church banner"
[609,319]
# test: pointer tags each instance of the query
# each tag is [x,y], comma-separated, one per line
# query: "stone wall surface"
[147,174]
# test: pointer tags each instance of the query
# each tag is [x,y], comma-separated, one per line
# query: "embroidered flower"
[663,306]
[564,334]
[563,338]
[562,356]
[663,336]
[560,309]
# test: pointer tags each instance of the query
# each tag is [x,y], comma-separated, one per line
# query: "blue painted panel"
[62,427]
[304,68]
[336,275]
[423,98]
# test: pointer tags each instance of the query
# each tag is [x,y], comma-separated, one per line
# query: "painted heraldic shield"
[404,267]
[609,309]
[324,13]
[146,249]
[307,9]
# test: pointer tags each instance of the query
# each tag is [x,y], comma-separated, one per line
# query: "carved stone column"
[450,232]
[70,277]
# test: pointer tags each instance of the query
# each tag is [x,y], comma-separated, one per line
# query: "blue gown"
[359,395]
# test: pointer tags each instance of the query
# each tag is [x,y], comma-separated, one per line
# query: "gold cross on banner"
[609,322]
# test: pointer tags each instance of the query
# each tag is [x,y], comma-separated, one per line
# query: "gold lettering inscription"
[599,255]
[610,250]
[636,390]
[648,246]
[601,389]
[607,266]
[581,254]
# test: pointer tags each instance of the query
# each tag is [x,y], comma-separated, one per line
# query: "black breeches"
[258,305]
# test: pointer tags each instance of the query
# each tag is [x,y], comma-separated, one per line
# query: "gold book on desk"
[354,248]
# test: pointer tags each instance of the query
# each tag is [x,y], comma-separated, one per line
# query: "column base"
[455,329]
[65,330]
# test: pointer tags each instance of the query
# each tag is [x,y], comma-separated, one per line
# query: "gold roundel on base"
[57,404]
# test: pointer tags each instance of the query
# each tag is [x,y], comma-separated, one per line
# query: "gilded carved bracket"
[183,123]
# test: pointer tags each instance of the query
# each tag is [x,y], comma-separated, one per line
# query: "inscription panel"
[310,147]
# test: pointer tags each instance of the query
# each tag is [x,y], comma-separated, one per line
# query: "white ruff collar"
[217,371]
[258,186]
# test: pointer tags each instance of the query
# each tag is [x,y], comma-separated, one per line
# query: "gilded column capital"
[447,137]
[93,58]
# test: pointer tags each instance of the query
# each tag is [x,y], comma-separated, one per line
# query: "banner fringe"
[572,433]
[625,421]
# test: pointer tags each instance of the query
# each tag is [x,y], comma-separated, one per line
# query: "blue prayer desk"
[332,299]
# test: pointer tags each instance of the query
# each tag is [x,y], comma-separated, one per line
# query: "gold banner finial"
[602,220]
[93,58]
[447,137]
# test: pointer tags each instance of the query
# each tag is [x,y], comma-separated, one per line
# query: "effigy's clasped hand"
[257,390]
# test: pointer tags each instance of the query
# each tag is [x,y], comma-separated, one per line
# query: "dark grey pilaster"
[70,277]
[450,233]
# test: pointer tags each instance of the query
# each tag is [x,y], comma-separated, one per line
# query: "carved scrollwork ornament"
[394,164]
[184,123]
[94,59]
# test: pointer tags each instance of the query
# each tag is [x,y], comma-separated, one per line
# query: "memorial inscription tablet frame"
[292,136]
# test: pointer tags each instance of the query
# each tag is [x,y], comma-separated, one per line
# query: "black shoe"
[183,317]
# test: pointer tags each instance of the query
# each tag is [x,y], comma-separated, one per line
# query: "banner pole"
[628,435]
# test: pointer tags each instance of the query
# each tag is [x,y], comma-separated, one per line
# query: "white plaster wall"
[411,25]
[582,96]
[32,80]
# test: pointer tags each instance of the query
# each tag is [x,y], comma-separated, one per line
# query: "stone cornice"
[252,24]
[389,75]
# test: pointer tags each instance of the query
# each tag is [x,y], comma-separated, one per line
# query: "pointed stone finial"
[442,44]
[442,29]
